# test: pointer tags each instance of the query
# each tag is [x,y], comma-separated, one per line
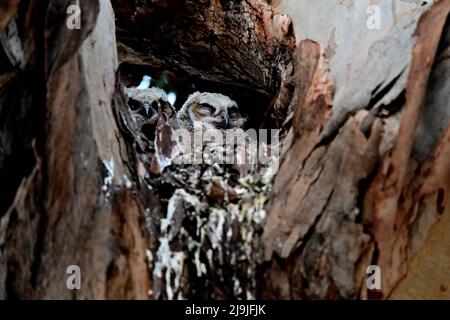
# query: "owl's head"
[148,102]
[212,111]
[145,107]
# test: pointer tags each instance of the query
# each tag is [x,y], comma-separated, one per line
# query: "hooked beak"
[147,108]
[225,122]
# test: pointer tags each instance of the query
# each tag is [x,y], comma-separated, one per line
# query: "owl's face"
[213,111]
[145,106]
[148,102]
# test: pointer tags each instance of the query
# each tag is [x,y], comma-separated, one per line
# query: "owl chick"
[147,102]
[145,106]
[211,110]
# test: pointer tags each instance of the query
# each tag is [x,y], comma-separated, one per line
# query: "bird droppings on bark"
[350,192]
[108,180]
[213,217]
[206,229]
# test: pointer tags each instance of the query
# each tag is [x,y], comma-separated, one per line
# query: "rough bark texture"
[348,209]
[364,176]
[60,143]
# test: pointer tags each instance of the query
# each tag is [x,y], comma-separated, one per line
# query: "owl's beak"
[147,108]
[225,122]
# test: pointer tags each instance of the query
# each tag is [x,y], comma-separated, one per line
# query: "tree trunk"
[364,174]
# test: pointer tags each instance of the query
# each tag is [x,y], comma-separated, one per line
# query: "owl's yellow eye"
[206,109]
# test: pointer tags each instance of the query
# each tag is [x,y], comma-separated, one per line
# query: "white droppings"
[215,226]
[169,263]
[164,225]
[259,216]
[149,256]
[148,219]
[209,255]
[193,200]
[171,207]
[260,212]
[200,266]
[107,181]
[229,234]
[237,287]
[126,182]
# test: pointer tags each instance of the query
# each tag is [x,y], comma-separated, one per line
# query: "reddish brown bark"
[359,183]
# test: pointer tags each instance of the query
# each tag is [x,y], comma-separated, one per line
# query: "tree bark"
[364,171]
[62,168]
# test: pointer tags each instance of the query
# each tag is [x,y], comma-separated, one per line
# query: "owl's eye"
[233,112]
[206,109]
[134,104]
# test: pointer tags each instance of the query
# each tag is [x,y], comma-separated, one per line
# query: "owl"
[145,107]
[211,111]
[148,102]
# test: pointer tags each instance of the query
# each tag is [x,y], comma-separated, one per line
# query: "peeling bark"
[364,171]
[59,214]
